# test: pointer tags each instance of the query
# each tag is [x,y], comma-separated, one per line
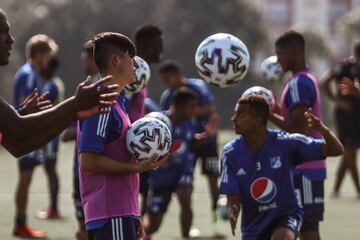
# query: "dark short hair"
[183,96]
[258,105]
[88,47]
[357,48]
[146,32]
[291,38]
[104,44]
[170,66]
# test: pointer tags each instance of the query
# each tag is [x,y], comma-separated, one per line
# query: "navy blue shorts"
[293,223]
[121,228]
[29,163]
[311,195]
[159,198]
[208,153]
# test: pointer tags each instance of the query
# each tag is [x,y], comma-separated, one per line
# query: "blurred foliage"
[185,24]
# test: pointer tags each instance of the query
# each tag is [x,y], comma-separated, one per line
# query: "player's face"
[6,40]
[42,59]
[242,119]
[155,49]
[284,57]
[172,80]
[187,110]
[125,68]
[88,64]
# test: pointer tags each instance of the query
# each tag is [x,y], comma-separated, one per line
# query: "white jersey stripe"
[103,131]
[121,230]
[99,125]
[294,91]
[113,229]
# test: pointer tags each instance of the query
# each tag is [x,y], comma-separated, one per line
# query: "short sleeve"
[304,149]
[228,181]
[302,92]
[206,97]
[20,89]
[94,133]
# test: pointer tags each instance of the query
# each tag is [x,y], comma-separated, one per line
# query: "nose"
[10,39]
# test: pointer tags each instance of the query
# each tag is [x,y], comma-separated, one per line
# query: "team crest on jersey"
[178,147]
[275,162]
[263,190]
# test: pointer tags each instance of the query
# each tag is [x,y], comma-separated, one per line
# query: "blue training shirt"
[263,178]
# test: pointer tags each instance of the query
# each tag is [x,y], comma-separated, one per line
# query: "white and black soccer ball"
[222,59]
[221,207]
[261,91]
[142,76]
[148,136]
[162,117]
[271,70]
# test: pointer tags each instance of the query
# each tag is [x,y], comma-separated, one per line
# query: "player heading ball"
[256,171]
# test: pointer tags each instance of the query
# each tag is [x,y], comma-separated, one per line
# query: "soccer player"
[149,45]
[109,180]
[256,171]
[347,114]
[90,69]
[179,170]
[301,92]
[39,50]
[22,134]
[170,72]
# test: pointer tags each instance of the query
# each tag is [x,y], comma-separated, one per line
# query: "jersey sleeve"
[206,97]
[302,92]
[304,149]
[94,134]
[228,181]
[20,89]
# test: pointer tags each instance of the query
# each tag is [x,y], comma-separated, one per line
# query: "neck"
[174,116]
[35,65]
[114,80]
[256,138]
[298,67]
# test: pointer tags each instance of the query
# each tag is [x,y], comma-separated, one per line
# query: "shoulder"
[197,84]
[232,147]
[23,73]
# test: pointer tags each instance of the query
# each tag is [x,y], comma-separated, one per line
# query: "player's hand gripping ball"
[162,117]
[222,59]
[148,136]
[142,76]
[271,70]
[261,91]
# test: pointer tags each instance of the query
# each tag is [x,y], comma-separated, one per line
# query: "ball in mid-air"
[261,91]
[271,70]
[148,136]
[222,59]
[142,76]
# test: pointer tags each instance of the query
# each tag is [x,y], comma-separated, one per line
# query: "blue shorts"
[29,163]
[208,153]
[291,222]
[120,228]
[159,197]
[311,195]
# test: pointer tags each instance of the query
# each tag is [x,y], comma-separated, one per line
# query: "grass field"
[341,217]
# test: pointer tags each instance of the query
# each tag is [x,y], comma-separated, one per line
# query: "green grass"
[341,216]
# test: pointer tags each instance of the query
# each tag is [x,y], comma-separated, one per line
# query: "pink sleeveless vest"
[316,110]
[106,196]
[137,105]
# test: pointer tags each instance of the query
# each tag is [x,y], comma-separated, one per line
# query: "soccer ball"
[221,207]
[142,76]
[271,70]
[161,117]
[222,59]
[261,91]
[148,136]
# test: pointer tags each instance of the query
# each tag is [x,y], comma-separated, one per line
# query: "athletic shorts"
[208,153]
[121,228]
[348,126]
[311,195]
[293,223]
[28,162]
[159,198]
[79,211]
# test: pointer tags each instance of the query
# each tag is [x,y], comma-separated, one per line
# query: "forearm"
[49,122]
[101,164]
[332,146]
[289,126]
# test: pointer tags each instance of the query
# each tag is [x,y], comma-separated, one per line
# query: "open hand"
[348,88]
[313,121]
[153,163]
[35,103]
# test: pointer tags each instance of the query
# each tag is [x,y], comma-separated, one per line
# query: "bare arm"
[101,164]
[233,207]
[69,134]
[332,146]
[326,85]
[297,124]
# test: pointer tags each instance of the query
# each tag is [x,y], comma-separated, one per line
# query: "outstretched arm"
[332,146]
[22,134]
